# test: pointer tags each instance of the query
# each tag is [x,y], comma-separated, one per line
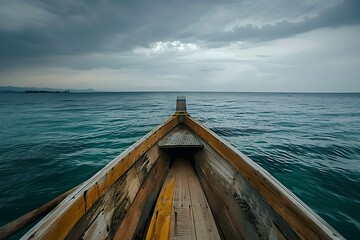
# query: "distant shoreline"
[12,89]
[44,91]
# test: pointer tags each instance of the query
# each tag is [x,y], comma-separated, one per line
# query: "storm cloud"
[61,43]
[343,14]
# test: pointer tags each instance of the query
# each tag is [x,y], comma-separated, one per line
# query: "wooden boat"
[182,181]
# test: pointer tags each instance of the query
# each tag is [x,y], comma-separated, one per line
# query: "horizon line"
[92,90]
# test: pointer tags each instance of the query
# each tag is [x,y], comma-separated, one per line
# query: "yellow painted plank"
[160,221]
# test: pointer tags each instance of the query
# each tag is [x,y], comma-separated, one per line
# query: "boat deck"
[180,137]
[182,211]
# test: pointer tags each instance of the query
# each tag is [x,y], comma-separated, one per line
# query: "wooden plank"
[160,221]
[117,200]
[254,212]
[229,215]
[275,234]
[180,137]
[181,104]
[182,225]
[252,220]
[136,218]
[191,217]
[98,229]
[205,227]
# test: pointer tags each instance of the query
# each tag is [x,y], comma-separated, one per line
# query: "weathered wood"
[260,212]
[255,215]
[99,229]
[61,220]
[160,220]
[181,104]
[231,219]
[182,211]
[119,197]
[191,217]
[137,215]
[300,218]
[182,225]
[18,224]
[275,234]
[204,223]
[180,137]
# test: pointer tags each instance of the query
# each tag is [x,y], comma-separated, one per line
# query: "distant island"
[12,89]
[42,91]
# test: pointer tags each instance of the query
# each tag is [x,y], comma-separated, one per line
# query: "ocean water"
[49,143]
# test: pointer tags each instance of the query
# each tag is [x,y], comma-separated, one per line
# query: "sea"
[310,142]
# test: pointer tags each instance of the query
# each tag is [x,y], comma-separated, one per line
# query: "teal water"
[309,142]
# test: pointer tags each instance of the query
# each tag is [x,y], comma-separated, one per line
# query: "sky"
[182,45]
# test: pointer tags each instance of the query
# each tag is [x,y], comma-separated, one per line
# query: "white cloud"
[165,47]
[173,76]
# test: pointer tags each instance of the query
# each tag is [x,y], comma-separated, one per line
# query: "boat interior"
[182,181]
[182,188]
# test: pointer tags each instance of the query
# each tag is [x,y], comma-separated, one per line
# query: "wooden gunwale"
[63,218]
[306,223]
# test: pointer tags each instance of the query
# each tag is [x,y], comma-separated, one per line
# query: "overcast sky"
[198,45]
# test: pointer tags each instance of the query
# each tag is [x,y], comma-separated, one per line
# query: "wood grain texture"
[182,223]
[275,234]
[182,211]
[120,196]
[230,217]
[180,137]
[204,222]
[191,217]
[299,217]
[160,220]
[99,229]
[134,223]
[235,201]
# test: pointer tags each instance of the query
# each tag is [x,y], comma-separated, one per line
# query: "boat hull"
[121,201]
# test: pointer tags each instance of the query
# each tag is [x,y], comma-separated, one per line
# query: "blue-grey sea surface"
[50,142]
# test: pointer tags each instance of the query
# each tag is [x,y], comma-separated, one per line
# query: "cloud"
[45,28]
[173,76]
[234,45]
[345,13]
[14,18]
[166,47]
